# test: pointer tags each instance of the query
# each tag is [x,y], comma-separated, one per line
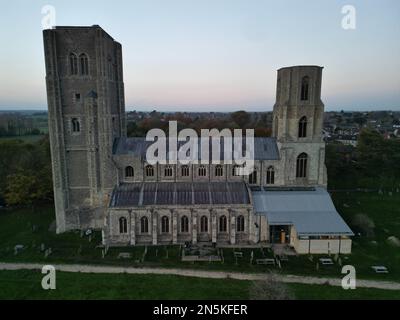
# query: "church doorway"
[279,234]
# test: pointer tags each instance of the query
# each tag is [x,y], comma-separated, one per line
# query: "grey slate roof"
[311,212]
[265,148]
[179,193]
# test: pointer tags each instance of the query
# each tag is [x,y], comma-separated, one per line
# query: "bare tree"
[270,288]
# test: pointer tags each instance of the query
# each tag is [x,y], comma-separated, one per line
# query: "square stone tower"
[85,94]
[297,125]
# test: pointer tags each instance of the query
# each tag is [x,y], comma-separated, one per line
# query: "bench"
[380,269]
[326,261]
[124,255]
[265,261]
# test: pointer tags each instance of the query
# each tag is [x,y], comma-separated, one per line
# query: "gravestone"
[47,252]
[18,248]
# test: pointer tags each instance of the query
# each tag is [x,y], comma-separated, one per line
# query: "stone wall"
[175,234]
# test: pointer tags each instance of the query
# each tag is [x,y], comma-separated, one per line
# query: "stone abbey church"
[102,180]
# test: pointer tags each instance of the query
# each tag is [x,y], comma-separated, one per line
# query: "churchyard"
[28,236]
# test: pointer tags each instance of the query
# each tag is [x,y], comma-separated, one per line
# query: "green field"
[31,229]
[28,138]
[26,284]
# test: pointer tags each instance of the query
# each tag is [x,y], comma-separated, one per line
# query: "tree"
[242,118]
[262,132]
[21,189]
[364,224]
[371,152]
[25,172]
[270,288]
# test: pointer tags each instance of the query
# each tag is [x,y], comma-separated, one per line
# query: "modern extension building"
[102,178]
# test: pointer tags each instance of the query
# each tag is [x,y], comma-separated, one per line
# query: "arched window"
[185,171]
[144,225]
[303,127]
[240,224]
[168,171]
[123,225]
[149,171]
[73,63]
[164,224]
[253,177]
[84,64]
[203,224]
[75,125]
[304,88]
[222,224]
[184,224]
[202,171]
[236,170]
[301,166]
[219,170]
[270,175]
[128,172]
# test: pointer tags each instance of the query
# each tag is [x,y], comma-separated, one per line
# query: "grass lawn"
[384,210]
[28,138]
[16,227]
[26,284]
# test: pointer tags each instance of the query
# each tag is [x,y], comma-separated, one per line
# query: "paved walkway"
[199,273]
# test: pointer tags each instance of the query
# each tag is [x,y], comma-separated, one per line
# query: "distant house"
[346,139]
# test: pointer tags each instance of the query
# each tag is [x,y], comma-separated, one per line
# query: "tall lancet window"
[301,166]
[222,224]
[144,225]
[203,224]
[73,63]
[240,224]
[164,224]
[184,224]
[304,88]
[303,127]
[270,175]
[75,125]
[123,225]
[84,64]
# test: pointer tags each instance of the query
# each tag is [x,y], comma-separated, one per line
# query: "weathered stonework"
[87,167]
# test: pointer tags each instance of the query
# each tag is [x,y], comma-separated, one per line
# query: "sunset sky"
[217,55]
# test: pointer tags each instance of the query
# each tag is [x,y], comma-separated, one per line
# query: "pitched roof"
[179,193]
[311,212]
[265,148]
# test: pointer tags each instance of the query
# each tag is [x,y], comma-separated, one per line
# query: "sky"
[216,55]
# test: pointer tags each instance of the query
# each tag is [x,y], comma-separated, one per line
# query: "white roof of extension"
[310,211]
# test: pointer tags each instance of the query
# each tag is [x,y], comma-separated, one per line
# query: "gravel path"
[198,273]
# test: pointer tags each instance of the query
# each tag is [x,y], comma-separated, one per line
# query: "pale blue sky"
[216,55]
